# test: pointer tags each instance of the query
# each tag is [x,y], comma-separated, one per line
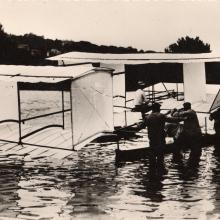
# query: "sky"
[147,25]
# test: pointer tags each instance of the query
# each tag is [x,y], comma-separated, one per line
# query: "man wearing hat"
[191,134]
[141,103]
[155,123]
[191,127]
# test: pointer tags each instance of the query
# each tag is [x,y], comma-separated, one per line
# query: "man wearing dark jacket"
[191,129]
[191,134]
[155,123]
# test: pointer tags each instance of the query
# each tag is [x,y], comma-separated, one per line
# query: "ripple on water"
[92,185]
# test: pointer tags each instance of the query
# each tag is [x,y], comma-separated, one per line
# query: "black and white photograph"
[109,109]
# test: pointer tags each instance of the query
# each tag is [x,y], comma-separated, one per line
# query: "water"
[88,184]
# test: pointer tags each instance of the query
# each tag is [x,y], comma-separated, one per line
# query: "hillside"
[31,49]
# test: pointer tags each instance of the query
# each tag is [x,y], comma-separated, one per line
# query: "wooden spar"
[118,73]
[121,106]
[113,122]
[206,125]
[71,115]
[126,123]
[119,96]
[40,129]
[44,115]
[129,126]
[153,97]
[177,96]
[9,120]
[37,145]
[19,114]
[165,88]
[37,76]
[118,146]
[201,112]
[158,97]
[158,92]
[63,114]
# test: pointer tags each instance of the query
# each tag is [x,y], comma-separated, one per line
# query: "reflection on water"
[89,185]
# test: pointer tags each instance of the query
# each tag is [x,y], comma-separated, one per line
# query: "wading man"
[155,123]
[191,134]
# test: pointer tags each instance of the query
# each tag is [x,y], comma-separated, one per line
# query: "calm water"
[89,185]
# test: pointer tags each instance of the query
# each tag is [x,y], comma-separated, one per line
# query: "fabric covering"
[137,58]
[9,100]
[44,71]
[11,74]
[216,102]
[91,92]
[92,105]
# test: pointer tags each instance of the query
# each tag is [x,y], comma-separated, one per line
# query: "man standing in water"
[191,134]
[191,128]
[155,123]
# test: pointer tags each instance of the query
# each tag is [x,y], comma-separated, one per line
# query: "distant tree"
[188,45]
[31,49]
[150,51]
[1,29]
[5,45]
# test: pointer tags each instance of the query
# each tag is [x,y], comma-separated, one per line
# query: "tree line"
[31,49]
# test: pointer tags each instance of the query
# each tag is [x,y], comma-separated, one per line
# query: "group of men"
[159,125]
